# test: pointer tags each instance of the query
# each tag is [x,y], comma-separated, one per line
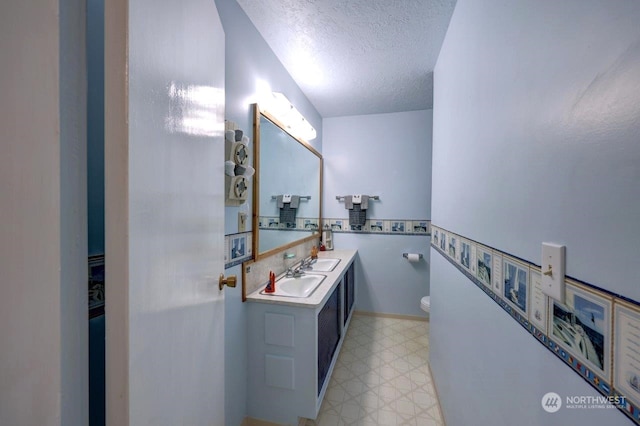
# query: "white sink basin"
[302,286]
[324,265]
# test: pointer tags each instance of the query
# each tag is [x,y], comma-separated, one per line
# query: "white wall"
[387,155]
[248,62]
[43,247]
[535,139]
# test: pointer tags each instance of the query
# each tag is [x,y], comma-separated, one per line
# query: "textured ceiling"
[353,57]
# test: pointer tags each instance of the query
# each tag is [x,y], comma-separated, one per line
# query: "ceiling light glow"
[279,106]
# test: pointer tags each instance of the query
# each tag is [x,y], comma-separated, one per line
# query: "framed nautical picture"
[419,227]
[337,225]
[358,227]
[452,248]
[582,326]
[238,245]
[435,234]
[311,224]
[397,226]
[484,262]
[465,254]
[515,288]
[376,225]
[626,354]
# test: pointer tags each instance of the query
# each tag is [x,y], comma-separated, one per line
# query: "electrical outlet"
[242,222]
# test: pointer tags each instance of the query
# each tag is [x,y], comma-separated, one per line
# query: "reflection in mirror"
[285,166]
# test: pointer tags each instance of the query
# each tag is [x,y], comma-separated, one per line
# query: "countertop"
[318,297]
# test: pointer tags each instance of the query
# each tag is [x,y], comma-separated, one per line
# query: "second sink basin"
[324,265]
[302,286]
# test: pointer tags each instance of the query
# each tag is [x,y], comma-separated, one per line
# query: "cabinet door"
[328,334]
[349,292]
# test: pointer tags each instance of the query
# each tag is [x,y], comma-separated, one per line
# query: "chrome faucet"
[298,271]
[306,263]
[294,272]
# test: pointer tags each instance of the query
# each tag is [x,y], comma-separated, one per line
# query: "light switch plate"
[553,270]
[242,222]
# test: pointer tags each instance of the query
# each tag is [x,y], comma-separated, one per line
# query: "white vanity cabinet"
[293,344]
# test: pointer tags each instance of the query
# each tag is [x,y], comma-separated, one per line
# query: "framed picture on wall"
[452,248]
[376,225]
[484,262]
[443,241]
[337,225]
[515,288]
[434,237]
[465,254]
[238,247]
[311,224]
[626,359]
[582,326]
[419,227]
[356,227]
[398,226]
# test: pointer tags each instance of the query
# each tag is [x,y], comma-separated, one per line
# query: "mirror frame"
[257,113]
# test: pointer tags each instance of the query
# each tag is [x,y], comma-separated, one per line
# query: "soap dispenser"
[271,284]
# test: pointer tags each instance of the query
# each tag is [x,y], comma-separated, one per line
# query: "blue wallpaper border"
[629,408]
[238,248]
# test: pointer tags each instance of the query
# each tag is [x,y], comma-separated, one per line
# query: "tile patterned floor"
[381,377]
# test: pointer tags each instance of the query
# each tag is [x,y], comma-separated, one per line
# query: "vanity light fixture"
[280,107]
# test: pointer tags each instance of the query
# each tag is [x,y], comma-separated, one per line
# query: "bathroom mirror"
[285,165]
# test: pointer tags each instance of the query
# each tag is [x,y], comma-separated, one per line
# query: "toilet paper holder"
[406,255]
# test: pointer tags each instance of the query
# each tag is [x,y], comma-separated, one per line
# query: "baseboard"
[435,388]
[249,421]
[395,316]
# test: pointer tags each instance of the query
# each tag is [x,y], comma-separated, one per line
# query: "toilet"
[425,303]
